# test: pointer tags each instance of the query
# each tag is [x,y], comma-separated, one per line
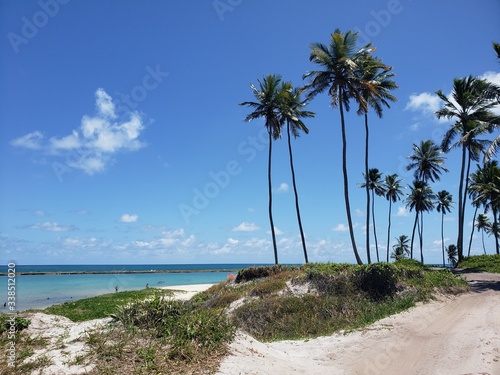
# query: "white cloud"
[277,231]
[402,212]
[127,218]
[283,188]
[340,228]
[438,242]
[91,147]
[246,227]
[426,102]
[51,227]
[32,141]
[415,126]
[493,77]
[232,241]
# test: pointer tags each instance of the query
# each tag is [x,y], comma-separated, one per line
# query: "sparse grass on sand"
[156,335]
[484,263]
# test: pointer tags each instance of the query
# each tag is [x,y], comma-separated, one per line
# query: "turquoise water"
[41,291]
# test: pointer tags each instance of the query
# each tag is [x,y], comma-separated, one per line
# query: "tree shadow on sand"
[480,281]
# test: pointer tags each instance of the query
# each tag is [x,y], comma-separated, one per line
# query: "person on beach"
[116,289]
[147,286]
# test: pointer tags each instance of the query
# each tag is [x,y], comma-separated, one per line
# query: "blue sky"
[122,140]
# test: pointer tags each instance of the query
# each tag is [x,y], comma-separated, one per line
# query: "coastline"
[118,272]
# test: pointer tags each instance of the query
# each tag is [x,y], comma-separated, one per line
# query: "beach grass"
[484,263]
[102,306]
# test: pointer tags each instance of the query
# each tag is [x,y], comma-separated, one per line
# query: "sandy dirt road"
[457,335]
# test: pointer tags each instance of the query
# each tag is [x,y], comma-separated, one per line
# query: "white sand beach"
[185,292]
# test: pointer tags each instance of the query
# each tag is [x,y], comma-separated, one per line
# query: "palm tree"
[393,192]
[292,113]
[452,252]
[443,206]
[400,249]
[486,185]
[269,96]
[375,186]
[340,62]
[470,106]
[427,161]
[483,225]
[496,47]
[420,199]
[379,76]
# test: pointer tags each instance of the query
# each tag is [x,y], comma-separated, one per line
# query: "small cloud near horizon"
[127,218]
[51,227]
[283,188]
[246,227]
[402,212]
[340,228]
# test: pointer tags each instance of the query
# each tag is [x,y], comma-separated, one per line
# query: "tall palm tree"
[377,75]
[427,160]
[483,225]
[292,113]
[486,185]
[470,107]
[444,204]
[269,96]
[421,200]
[393,192]
[375,186]
[401,248]
[452,252]
[340,62]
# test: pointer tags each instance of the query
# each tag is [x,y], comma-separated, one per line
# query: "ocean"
[38,287]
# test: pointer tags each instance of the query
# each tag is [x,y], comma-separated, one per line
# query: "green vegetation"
[153,334]
[102,306]
[18,323]
[486,263]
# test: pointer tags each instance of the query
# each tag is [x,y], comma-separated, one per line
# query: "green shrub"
[486,263]
[378,280]
[252,273]
[16,323]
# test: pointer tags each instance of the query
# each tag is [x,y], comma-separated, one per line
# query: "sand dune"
[457,335]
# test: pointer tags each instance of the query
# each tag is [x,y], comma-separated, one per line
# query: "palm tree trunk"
[472,230]
[413,234]
[442,236]
[482,238]
[389,229]
[421,233]
[275,248]
[495,223]
[461,207]
[296,195]
[466,187]
[374,226]
[367,188]
[346,180]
